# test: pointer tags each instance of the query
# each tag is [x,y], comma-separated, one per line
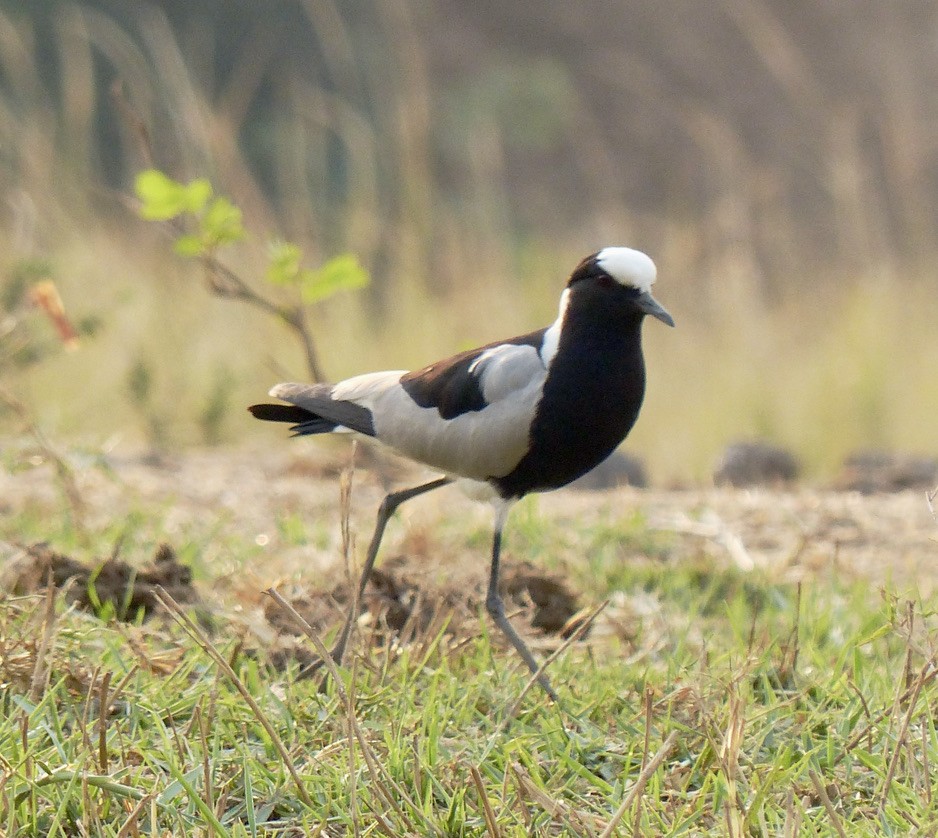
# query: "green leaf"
[284,267]
[197,194]
[343,273]
[189,245]
[183,782]
[163,198]
[221,223]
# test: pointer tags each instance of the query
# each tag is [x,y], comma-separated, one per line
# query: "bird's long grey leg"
[386,510]
[496,608]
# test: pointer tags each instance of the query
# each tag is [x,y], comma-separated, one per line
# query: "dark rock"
[618,469]
[755,464]
[876,470]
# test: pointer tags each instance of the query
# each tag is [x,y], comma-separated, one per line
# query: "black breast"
[591,399]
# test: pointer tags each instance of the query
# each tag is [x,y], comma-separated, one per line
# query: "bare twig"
[930,500]
[394,795]
[63,469]
[198,635]
[926,768]
[792,646]
[41,668]
[828,806]
[581,629]
[207,784]
[104,702]
[792,816]
[138,128]
[928,673]
[491,824]
[352,772]
[646,750]
[640,784]
[557,809]
[130,823]
[220,279]
[916,688]
[345,525]
[866,708]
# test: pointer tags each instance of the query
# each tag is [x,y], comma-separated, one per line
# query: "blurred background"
[779,161]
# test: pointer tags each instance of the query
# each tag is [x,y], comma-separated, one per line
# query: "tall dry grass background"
[779,161]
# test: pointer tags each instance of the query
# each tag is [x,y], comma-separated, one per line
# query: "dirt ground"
[281,505]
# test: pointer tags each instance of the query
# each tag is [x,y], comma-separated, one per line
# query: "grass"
[755,707]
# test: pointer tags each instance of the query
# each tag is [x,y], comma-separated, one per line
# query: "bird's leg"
[386,510]
[496,608]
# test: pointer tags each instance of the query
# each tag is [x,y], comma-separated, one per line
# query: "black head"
[618,270]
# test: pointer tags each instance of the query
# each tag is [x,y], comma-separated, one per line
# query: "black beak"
[651,306]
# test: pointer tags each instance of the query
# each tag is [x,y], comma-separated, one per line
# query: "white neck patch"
[628,267]
[552,335]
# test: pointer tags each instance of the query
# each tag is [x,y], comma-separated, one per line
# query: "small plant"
[217,403]
[27,290]
[205,222]
[139,384]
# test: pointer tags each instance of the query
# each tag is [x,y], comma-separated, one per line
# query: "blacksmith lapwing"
[527,414]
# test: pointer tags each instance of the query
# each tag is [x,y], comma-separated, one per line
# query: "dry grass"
[758,684]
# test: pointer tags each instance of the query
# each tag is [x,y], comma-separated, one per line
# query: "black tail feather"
[281,413]
[304,421]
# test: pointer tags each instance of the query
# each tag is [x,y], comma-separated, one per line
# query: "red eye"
[606,281]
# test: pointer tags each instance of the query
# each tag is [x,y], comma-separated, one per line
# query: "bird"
[528,414]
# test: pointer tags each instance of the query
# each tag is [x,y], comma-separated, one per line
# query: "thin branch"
[491,823]
[930,500]
[928,673]
[198,635]
[382,778]
[640,784]
[63,468]
[828,806]
[220,279]
[903,732]
[138,128]
[581,629]
[42,666]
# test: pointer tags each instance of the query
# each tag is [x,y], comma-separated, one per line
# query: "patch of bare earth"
[428,577]
[111,585]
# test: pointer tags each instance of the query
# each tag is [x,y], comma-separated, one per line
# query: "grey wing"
[491,434]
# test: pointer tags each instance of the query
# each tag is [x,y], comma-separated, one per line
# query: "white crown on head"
[628,267]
